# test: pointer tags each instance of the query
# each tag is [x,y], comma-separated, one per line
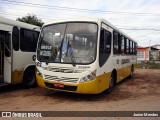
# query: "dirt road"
[137,94]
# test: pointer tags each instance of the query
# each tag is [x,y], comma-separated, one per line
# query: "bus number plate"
[57,85]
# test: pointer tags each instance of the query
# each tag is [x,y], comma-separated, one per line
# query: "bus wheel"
[29,79]
[132,72]
[111,84]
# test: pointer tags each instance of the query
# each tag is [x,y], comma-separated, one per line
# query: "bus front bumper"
[90,87]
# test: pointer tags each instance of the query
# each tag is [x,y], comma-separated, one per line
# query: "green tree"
[158,57]
[31,19]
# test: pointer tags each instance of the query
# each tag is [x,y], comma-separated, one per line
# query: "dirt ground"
[142,93]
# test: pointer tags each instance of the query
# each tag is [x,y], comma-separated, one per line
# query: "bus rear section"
[18,43]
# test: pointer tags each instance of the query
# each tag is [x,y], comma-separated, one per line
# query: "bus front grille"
[63,70]
[62,79]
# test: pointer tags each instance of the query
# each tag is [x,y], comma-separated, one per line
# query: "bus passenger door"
[1,57]
[5,57]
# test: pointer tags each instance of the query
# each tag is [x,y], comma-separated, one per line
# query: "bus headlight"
[38,73]
[89,77]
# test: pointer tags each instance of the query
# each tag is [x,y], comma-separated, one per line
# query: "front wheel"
[29,78]
[111,84]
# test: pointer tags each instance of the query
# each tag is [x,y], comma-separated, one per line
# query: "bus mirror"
[34,57]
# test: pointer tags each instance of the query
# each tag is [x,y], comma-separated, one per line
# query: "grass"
[149,65]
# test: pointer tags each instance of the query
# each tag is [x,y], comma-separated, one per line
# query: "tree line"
[31,19]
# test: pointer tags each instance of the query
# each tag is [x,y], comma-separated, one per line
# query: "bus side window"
[122,45]
[102,40]
[116,43]
[135,48]
[15,38]
[127,46]
[119,44]
[107,41]
[7,44]
[132,48]
[28,41]
[105,46]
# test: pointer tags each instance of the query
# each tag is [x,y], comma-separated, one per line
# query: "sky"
[140,19]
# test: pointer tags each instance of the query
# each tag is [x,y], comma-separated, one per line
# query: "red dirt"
[140,93]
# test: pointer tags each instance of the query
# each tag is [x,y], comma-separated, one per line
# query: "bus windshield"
[68,43]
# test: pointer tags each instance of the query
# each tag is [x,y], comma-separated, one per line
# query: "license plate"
[57,85]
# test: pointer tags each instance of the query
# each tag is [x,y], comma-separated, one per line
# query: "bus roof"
[18,24]
[84,19]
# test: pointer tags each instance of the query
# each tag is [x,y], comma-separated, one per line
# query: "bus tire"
[29,78]
[132,72]
[112,83]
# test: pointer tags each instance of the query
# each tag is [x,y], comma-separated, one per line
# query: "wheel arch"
[29,82]
[114,72]
[30,66]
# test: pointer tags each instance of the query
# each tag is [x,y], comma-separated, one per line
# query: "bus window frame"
[25,38]
[97,39]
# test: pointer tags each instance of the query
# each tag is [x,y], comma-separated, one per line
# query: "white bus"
[18,43]
[99,56]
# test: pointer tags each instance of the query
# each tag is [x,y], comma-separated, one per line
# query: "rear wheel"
[132,72]
[112,83]
[29,79]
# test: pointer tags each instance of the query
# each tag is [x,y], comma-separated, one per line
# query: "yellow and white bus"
[100,56]
[18,42]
